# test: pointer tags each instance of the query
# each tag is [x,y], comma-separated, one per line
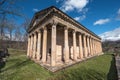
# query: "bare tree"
[26,24]
[3,21]
[8,8]
[11,26]
[2,2]
[18,36]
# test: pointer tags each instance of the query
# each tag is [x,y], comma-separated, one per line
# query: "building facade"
[56,40]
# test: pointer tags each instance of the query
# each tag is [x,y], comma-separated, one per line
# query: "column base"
[43,60]
[66,61]
[38,57]
[33,55]
[74,59]
[53,64]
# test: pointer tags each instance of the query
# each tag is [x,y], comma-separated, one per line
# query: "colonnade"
[37,45]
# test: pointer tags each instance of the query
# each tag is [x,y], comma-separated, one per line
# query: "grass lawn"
[18,67]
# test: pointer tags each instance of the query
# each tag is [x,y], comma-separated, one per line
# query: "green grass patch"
[19,67]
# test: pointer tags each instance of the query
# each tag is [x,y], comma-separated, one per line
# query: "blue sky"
[100,16]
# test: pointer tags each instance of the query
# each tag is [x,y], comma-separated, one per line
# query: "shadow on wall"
[112,74]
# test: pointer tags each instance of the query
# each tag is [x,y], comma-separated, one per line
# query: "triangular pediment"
[38,15]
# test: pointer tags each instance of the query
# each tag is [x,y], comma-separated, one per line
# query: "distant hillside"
[108,46]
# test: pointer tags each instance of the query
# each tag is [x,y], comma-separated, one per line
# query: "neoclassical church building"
[57,41]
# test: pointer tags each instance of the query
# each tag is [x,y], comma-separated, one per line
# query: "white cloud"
[119,11]
[35,10]
[57,1]
[70,5]
[101,21]
[80,18]
[118,14]
[77,18]
[111,35]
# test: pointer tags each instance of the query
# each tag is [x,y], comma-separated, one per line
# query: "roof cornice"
[67,17]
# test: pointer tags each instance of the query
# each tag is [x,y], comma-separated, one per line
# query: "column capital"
[54,22]
[32,34]
[39,31]
[35,32]
[84,34]
[73,31]
[65,28]
[44,28]
[87,35]
[80,33]
[29,35]
[90,36]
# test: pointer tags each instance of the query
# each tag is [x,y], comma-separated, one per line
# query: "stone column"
[94,47]
[100,47]
[97,47]
[44,45]
[88,45]
[91,46]
[34,48]
[85,49]
[53,45]
[31,47]
[39,46]
[80,46]
[28,50]
[66,47]
[74,46]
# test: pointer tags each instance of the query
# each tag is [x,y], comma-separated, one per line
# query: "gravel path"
[118,66]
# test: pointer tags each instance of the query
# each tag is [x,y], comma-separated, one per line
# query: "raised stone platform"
[61,66]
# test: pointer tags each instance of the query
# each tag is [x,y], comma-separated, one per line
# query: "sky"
[100,16]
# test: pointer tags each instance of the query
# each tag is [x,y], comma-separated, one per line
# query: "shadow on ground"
[10,71]
[2,65]
[18,64]
[112,74]
[2,62]
[80,75]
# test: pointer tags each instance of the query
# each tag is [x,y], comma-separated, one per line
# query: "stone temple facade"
[57,41]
